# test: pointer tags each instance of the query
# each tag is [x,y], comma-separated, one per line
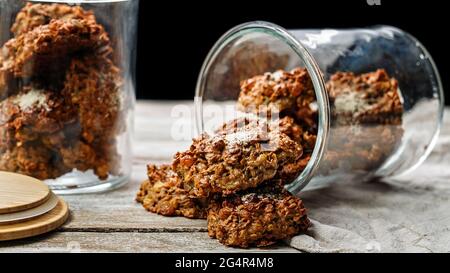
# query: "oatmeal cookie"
[286,125]
[42,54]
[34,15]
[59,94]
[79,124]
[259,217]
[78,155]
[284,93]
[32,159]
[93,85]
[367,98]
[32,113]
[161,194]
[227,163]
[42,121]
[366,119]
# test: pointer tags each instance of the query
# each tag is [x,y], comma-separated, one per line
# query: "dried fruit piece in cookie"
[227,163]
[161,194]
[258,217]
[34,15]
[367,98]
[42,55]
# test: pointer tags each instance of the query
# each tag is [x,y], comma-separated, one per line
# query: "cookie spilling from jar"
[60,94]
[235,178]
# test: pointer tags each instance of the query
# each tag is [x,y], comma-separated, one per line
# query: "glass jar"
[67,72]
[378,99]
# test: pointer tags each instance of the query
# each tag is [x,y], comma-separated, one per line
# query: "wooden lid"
[36,226]
[19,192]
[25,215]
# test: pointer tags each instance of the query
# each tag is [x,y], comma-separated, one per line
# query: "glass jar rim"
[311,66]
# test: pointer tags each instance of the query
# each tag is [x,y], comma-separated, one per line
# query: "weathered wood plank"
[117,210]
[127,242]
[114,222]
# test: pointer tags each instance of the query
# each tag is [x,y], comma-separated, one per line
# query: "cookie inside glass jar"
[64,94]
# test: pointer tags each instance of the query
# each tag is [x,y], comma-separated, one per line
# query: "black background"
[174,37]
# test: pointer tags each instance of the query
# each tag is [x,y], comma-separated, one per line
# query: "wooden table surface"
[114,222]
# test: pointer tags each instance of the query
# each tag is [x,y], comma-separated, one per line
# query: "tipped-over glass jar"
[365,103]
[67,91]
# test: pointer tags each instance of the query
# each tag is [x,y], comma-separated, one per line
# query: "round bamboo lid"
[19,192]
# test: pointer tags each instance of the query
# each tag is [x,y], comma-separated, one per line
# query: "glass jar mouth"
[311,66]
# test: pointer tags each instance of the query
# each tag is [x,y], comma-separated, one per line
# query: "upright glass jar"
[378,96]
[67,72]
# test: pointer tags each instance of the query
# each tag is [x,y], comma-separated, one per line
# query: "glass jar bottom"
[78,182]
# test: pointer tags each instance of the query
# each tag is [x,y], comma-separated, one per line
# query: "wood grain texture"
[113,222]
[19,192]
[36,226]
[127,242]
[25,215]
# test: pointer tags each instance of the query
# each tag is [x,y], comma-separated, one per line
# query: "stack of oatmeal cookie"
[59,94]
[235,178]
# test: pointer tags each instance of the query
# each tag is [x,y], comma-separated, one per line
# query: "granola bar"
[258,217]
[227,163]
[161,194]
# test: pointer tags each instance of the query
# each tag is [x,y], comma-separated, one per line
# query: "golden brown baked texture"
[41,120]
[366,119]
[93,86]
[286,125]
[258,217]
[282,92]
[161,194]
[42,54]
[227,163]
[31,159]
[34,15]
[60,95]
[366,98]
